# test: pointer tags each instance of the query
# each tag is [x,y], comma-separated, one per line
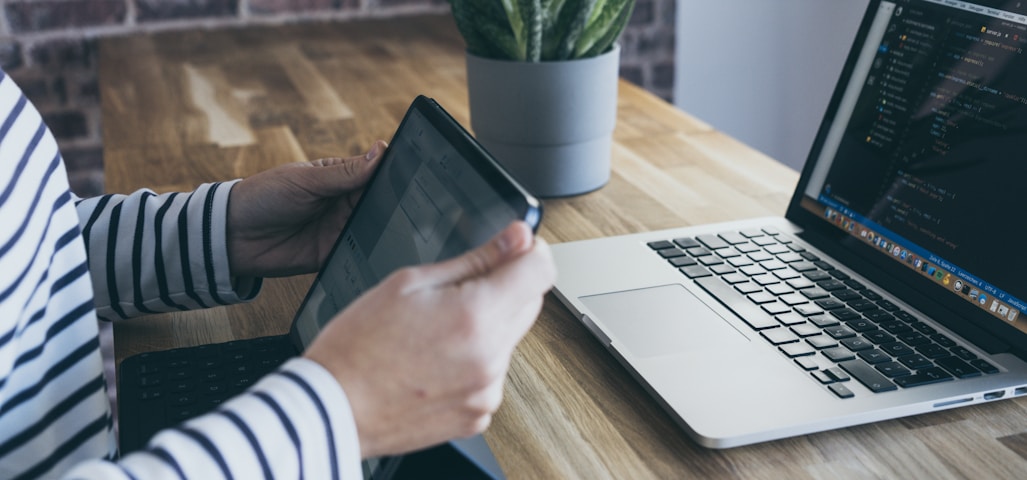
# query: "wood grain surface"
[183,108]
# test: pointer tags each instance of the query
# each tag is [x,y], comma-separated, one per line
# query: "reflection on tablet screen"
[426,204]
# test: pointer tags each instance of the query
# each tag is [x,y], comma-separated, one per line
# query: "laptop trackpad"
[661,320]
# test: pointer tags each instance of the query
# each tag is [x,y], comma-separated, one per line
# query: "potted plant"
[542,84]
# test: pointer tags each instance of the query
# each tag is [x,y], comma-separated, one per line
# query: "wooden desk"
[184,108]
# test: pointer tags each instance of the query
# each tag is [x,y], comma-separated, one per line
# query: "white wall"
[763,70]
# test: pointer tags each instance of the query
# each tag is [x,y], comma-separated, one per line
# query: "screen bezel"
[527,207]
[950,310]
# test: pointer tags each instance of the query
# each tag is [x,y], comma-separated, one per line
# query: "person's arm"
[294,423]
[152,253]
[422,357]
[429,346]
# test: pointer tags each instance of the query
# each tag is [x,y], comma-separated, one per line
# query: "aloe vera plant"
[540,30]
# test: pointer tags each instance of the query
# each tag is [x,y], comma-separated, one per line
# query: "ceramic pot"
[550,124]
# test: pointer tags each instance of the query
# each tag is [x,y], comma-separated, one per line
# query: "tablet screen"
[435,195]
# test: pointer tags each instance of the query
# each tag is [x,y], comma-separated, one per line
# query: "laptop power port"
[995,395]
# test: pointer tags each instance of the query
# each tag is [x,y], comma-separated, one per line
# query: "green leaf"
[491,10]
[538,30]
[485,28]
[606,22]
[551,36]
[572,22]
[551,10]
[596,9]
[513,16]
[476,43]
[503,42]
[532,16]
[613,33]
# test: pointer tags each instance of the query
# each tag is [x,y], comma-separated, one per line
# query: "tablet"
[436,194]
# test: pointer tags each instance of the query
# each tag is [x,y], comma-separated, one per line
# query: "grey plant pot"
[549,123]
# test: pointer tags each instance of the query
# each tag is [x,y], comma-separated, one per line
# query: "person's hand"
[284,221]
[422,357]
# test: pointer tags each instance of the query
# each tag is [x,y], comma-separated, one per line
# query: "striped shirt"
[68,263]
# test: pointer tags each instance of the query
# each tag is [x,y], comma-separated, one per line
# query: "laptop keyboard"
[831,325]
[164,388]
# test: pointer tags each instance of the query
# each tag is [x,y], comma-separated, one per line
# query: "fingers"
[373,153]
[531,276]
[335,176]
[515,240]
[477,408]
[483,406]
[376,150]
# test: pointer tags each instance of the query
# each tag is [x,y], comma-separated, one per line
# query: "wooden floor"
[189,107]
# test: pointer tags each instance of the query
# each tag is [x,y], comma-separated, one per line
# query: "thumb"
[335,176]
[513,241]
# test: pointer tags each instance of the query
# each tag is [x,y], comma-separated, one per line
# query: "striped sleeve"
[54,411]
[295,423]
[166,252]
[152,253]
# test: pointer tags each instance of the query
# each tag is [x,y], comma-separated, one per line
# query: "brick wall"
[49,48]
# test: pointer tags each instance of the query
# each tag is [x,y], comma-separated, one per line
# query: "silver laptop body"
[883,292]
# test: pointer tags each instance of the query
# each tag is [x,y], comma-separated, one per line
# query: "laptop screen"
[923,159]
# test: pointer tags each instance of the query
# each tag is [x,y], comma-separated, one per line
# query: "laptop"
[894,284]
[436,194]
